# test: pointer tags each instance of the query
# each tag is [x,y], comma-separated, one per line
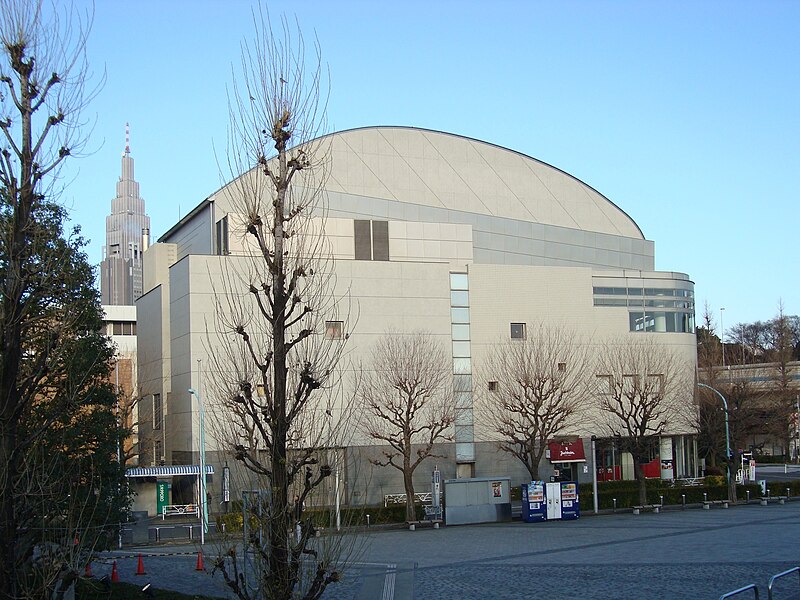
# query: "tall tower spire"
[121,269]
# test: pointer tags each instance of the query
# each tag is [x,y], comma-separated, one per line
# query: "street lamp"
[594,475]
[727,435]
[203,503]
[722,336]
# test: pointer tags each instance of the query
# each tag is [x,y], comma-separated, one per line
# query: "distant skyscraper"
[127,237]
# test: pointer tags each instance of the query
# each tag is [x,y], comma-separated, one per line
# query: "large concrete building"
[430,231]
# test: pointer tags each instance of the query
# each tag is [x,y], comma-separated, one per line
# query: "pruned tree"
[274,361]
[407,396]
[533,391]
[642,389]
[54,479]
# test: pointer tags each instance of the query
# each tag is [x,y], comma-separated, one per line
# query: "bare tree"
[642,389]
[533,390]
[408,399]
[274,352]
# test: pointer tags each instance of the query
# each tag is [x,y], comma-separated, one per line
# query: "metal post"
[595,500]
[338,506]
[722,335]
[727,435]
[202,477]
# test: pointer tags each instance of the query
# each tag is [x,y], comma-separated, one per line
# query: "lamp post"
[727,435]
[722,336]
[203,503]
[594,475]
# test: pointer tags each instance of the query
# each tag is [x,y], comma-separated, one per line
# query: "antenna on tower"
[127,138]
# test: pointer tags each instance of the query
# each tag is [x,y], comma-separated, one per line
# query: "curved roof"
[433,168]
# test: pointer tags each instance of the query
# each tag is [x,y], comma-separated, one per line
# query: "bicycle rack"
[752,586]
[778,576]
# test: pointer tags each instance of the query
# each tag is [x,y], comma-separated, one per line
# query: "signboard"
[497,489]
[162,496]
[566,452]
[226,484]
[569,491]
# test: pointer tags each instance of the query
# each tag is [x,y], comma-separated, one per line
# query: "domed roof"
[432,168]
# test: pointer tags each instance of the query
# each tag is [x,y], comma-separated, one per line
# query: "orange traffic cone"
[88,572]
[140,567]
[114,574]
[200,566]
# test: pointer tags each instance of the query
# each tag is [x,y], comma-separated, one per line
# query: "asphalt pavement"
[692,553]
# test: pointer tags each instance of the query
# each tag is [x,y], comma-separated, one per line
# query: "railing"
[752,586]
[172,510]
[778,576]
[419,497]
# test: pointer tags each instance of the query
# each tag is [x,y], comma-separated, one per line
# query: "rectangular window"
[222,236]
[459,298]
[492,386]
[363,239]
[462,366]
[459,281]
[562,367]
[333,329]
[158,412]
[462,399]
[461,349]
[117,328]
[460,333]
[518,331]
[459,315]
[380,240]
[158,453]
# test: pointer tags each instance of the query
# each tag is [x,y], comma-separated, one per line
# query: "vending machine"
[534,507]
[570,500]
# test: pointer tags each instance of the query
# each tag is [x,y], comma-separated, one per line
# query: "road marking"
[388,582]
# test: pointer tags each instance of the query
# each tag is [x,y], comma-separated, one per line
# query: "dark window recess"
[492,386]
[222,236]
[363,238]
[158,412]
[380,240]
[517,331]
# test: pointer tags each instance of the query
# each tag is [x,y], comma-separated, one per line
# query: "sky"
[685,114]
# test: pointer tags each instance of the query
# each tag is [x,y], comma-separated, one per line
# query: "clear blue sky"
[685,114]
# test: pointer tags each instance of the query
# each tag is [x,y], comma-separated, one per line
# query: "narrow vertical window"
[517,331]
[158,412]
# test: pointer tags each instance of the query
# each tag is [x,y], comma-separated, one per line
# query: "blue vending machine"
[570,500]
[534,507]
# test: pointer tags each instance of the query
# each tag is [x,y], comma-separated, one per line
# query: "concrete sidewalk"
[676,554]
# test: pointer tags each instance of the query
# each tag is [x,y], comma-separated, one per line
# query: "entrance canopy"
[167,471]
[566,452]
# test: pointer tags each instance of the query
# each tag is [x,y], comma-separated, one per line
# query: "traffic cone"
[140,567]
[200,566]
[114,574]
[88,572]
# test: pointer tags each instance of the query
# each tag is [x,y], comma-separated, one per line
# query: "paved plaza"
[691,553]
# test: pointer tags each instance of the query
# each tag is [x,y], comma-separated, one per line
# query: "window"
[371,239]
[492,386]
[222,236]
[158,412]
[459,298]
[158,453]
[562,367]
[459,281]
[333,329]
[518,331]
[117,328]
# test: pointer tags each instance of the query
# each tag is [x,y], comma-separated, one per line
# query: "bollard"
[705,496]
[748,496]
[662,500]
[615,505]
[683,501]
[367,520]
[787,493]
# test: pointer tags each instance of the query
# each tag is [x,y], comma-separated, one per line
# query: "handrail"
[778,576]
[752,586]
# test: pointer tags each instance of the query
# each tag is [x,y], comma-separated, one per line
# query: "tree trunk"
[639,475]
[408,482]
